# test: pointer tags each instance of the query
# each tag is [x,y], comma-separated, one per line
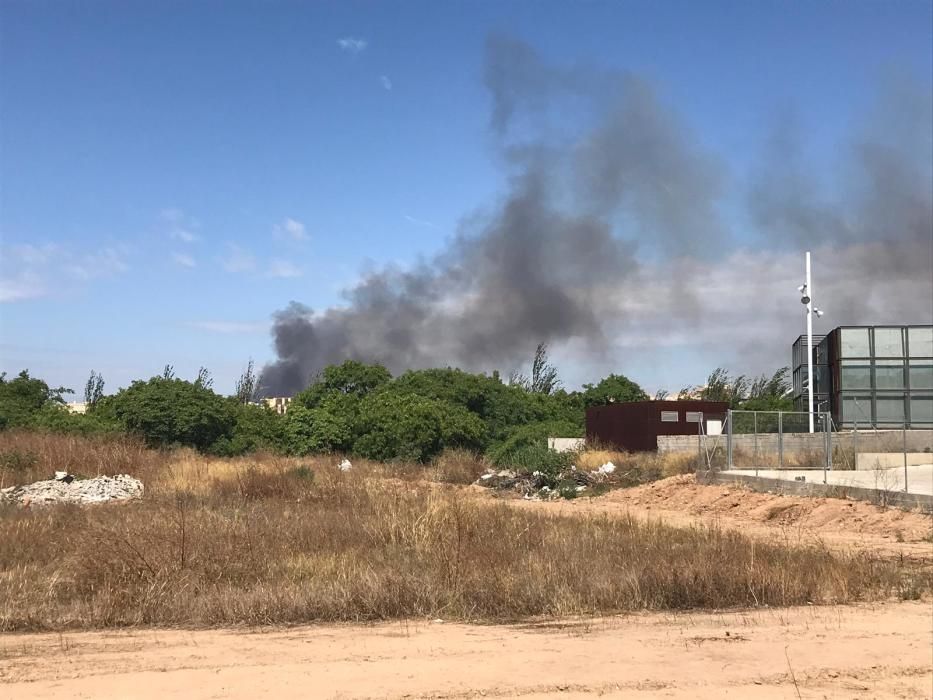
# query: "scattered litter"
[607,468]
[581,488]
[345,466]
[64,488]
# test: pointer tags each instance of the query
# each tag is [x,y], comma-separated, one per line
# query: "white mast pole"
[809,343]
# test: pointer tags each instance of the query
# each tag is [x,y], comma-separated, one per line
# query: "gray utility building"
[869,375]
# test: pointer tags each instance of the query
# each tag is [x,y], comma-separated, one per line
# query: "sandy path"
[837,652]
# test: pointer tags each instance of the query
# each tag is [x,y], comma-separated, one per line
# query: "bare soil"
[833,522]
[881,651]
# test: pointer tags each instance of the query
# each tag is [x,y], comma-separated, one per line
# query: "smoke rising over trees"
[606,187]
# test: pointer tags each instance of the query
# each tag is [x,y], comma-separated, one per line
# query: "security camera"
[818,312]
[804,299]
[802,288]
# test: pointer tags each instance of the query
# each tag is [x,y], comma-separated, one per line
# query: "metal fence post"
[729,439]
[829,440]
[905,457]
[825,445]
[780,439]
[700,443]
[855,445]
[755,419]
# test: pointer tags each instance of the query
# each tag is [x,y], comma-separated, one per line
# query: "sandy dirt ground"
[881,651]
[860,651]
[833,522]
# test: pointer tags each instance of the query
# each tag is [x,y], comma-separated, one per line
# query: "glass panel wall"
[856,409]
[890,409]
[889,374]
[854,374]
[889,342]
[921,374]
[853,342]
[921,410]
[920,341]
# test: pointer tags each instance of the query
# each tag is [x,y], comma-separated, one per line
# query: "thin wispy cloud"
[284,269]
[292,229]
[386,83]
[230,327]
[238,260]
[32,271]
[103,263]
[352,44]
[419,222]
[180,227]
[183,260]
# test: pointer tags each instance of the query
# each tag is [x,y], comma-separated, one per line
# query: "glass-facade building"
[869,375]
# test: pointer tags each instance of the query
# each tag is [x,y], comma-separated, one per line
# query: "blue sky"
[172,173]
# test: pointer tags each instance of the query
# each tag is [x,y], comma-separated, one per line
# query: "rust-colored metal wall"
[634,426]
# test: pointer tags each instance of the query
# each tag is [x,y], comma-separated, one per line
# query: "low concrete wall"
[866,461]
[783,487]
[863,441]
[566,444]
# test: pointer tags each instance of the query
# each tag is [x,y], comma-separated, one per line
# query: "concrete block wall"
[796,443]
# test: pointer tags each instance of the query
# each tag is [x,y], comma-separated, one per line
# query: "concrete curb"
[783,487]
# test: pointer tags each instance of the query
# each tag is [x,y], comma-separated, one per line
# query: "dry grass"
[221,542]
[647,466]
[27,456]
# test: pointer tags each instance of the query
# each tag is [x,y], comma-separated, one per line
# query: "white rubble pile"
[345,466]
[66,489]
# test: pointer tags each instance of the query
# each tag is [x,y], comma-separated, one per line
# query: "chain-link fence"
[781,440]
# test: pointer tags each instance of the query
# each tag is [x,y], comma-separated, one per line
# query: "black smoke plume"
[606,186]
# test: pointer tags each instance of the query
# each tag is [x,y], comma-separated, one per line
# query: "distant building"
[77,407]
[634,426]
[869,375]
[279,404]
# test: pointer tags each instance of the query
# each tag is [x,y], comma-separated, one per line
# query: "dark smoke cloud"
[606,188]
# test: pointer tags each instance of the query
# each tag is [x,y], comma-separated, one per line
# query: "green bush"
[533,435]
[168,411]
[547,463]
[411,427]
[315,430]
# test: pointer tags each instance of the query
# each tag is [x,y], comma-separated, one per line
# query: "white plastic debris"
[607,468]
[345,466]
[487,476]
[61,476]
[581,488]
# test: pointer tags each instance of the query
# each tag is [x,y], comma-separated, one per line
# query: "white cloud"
[103,263]
[239,260]
[386,83]
[290,228]
[419,222]
[230,327]
[31,271]
[21,285]
[352,44]
[179,226]
[183,260]
[284,269]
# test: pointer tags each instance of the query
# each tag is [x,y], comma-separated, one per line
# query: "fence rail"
[780,440]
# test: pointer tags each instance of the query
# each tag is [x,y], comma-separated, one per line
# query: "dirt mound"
[101,489]
[684,494]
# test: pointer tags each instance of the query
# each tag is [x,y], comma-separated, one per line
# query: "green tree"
[407,426]
[255,428]
[317,430]
[351,378]
[22,397]
[616,388]
[93,389]
[246,384]
[167,411]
